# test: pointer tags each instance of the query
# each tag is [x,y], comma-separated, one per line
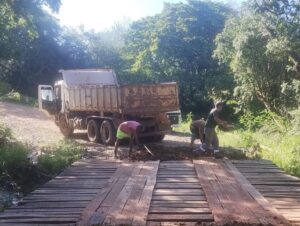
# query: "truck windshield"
[47,94]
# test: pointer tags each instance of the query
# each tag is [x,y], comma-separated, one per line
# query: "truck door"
[46,99]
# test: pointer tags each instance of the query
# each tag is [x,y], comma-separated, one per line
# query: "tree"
[258,45]
[177,45]
[25,29]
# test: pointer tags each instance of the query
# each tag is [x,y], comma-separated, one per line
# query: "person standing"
[128,130]
[197,130]
[211,138]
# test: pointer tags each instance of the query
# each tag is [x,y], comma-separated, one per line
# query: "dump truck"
[93,100]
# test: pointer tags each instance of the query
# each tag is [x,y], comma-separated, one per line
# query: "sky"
[100,15]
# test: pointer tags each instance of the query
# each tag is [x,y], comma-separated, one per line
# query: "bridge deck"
[280,189]
[62,200]
[108,192]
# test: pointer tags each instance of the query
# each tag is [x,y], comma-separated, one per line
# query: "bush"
[58,158]
[17,173]
[16,97]
[4,88]
[269,136]
[5,135]
[184,126]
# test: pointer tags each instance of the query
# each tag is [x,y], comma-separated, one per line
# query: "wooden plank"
[165,210]
[179,198]
[115,215]
[255,194]
[166,223]
[91,208]
[180,205]
[252,210]
[218,211]
[123,212]
[263,161]
[181,217]
[178,185]
[48,220]
[144,205]
[36,205]
[178,192]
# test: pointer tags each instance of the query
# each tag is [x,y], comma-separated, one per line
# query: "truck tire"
[64,127]
[93,131]
[107,133]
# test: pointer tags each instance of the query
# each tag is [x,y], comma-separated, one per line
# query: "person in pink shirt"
[128,130]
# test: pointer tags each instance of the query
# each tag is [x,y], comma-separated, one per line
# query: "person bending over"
[197,130]
[128,130]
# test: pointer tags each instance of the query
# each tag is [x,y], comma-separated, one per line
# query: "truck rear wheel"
[64,127]
[107,133]
[93,131]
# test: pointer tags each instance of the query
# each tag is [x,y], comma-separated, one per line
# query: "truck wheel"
[107,133]
[93,131]
[64,127]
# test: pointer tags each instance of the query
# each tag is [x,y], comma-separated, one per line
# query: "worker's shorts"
[121,135]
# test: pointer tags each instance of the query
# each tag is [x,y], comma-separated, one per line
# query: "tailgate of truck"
[149,99]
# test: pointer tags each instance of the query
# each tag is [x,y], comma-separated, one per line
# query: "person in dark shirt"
[211,138]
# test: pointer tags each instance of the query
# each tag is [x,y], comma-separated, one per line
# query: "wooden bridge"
[206,191]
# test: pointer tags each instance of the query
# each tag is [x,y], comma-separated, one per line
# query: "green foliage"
[176,45]
[11,157]
[17,173]
[260,47]
[184,126]
[252,122]
[295,122]
[4,88]
[5,135]
[60,157]
[16,97]
[27,39]
[268,136]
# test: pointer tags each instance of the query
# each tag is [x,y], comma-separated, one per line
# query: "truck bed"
[139,99]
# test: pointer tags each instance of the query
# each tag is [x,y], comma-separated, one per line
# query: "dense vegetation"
[19,175]
[249,57]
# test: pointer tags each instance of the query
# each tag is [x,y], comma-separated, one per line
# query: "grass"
[283,149]
[19,175]
[60,157]
[276,141]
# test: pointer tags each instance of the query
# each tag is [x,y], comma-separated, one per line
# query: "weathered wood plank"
[181,217]
[167,210]
[179,198]
[255,194]
[178,185]
[145,200]
[106,195]
[61,200]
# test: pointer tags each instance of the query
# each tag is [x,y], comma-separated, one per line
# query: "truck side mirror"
[46,99]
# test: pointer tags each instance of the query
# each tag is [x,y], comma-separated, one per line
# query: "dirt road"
[35,128]
[29,125]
